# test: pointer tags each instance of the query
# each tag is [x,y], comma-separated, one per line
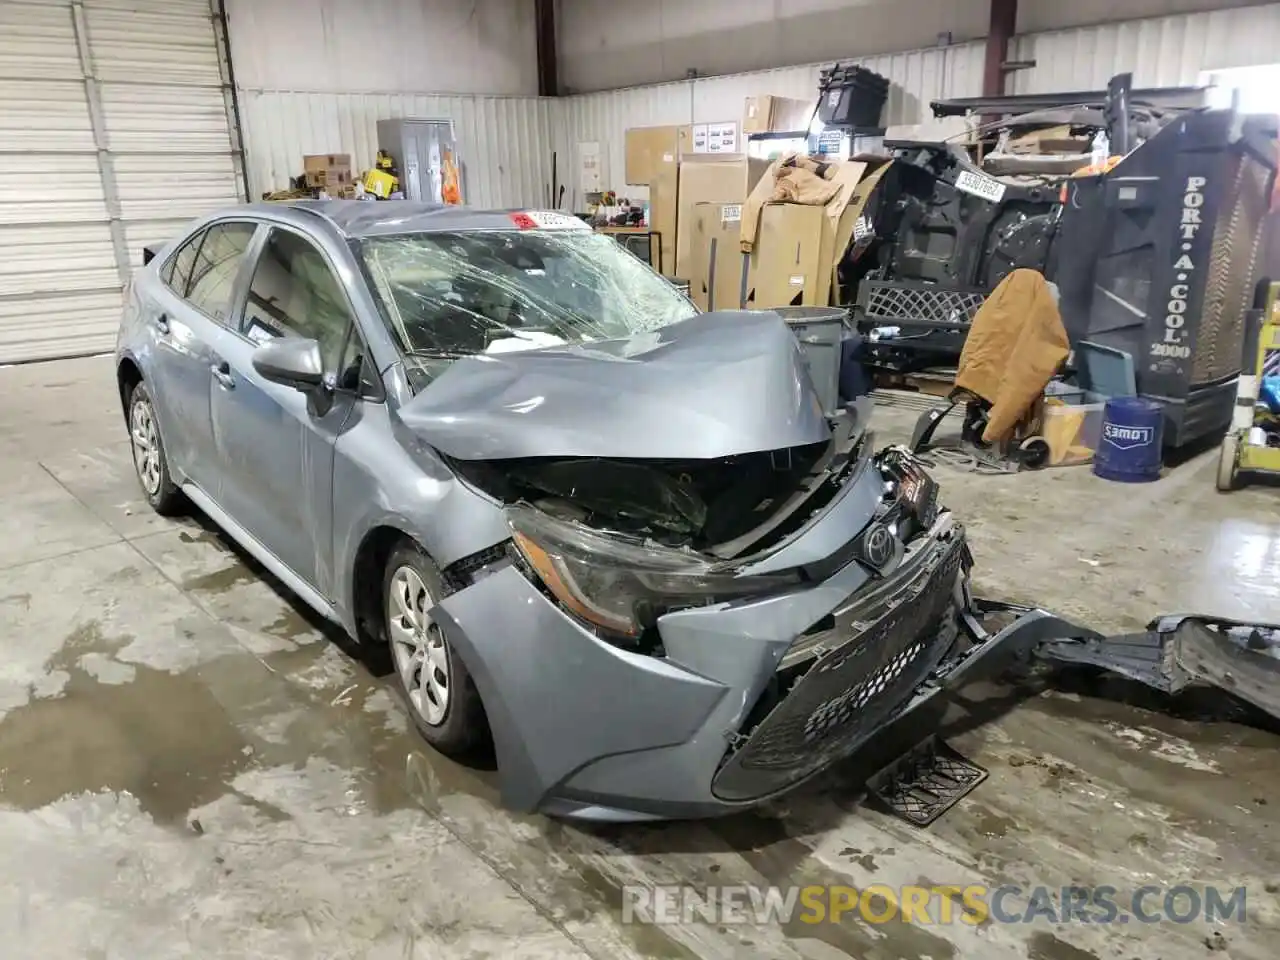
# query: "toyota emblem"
[878,545]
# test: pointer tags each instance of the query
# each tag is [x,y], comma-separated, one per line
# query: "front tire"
[150,462]
[434,682]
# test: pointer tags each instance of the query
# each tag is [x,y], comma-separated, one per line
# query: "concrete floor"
[189,767]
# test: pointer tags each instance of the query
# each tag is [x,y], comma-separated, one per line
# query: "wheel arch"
[128,376]
[368,566]
[367,573]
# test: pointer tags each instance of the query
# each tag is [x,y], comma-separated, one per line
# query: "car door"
[185,316]
[275,443]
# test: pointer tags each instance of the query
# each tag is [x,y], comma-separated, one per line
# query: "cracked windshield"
[449,295]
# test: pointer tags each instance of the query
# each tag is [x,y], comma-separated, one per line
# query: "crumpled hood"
[715,385]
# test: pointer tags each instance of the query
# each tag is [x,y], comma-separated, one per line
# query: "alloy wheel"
[146,446]
[417,644]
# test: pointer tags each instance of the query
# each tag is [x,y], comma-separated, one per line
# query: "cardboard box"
[798,247]
[328,170]
[775,114]
[786,264]
[720,273]
[851,228]
[664,191]
[1049,141]
[710,178]
[648,148]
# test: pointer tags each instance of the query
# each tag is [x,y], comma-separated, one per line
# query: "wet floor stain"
[782,860]
[160,737]
[200,536]
[866,861]
[1045,946]
[290,625]
[220,581]
[991,825]
[650,940]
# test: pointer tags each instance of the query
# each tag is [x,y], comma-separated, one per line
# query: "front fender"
[377,483]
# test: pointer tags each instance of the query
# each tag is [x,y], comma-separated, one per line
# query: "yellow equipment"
[380,184]
[1252,443]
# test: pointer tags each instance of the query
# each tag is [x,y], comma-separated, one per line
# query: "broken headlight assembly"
[914,492]
[620,586]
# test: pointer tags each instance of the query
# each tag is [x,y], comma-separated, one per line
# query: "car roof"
[368,218]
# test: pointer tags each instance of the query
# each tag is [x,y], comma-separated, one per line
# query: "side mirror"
[290,361]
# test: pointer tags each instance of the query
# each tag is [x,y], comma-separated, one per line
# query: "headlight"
[913,488]
[622,586]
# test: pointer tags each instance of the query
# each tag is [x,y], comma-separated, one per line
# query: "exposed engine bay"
[725,507]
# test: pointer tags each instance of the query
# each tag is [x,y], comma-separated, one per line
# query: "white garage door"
[114,131]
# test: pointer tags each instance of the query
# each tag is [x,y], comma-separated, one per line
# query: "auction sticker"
[980,186]
[547,220]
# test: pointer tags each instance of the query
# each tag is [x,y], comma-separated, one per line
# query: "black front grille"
[912,302]
[852,690]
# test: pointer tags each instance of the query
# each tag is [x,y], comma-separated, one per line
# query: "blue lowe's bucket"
[1132,435]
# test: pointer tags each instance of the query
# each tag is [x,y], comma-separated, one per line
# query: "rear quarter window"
[176,271]
[203,270]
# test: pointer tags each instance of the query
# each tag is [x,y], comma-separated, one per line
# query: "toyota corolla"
[625,541]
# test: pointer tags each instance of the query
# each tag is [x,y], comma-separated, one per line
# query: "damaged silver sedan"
[625,542]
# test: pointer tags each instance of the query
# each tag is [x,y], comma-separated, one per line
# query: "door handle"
[161,322]
[222,373]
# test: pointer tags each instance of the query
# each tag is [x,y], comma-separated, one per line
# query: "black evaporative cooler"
[1159,258]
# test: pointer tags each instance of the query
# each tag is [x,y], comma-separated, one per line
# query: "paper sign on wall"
[590,176]
[715,137]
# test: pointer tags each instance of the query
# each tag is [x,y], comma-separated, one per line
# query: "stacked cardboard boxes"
[796,248]
[330,172]
[709,178]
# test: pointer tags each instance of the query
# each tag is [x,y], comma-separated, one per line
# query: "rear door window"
[213,270]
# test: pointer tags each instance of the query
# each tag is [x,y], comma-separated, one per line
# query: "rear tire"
[150,462]
[432,679]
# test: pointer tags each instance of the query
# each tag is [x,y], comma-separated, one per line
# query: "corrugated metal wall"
[917,77]
[1162,51]
[505,142]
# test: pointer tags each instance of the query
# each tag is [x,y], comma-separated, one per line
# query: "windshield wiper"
[435,354]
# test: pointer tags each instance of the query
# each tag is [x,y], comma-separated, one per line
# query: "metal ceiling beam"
[1003,23]
[1165,98]
[544,14]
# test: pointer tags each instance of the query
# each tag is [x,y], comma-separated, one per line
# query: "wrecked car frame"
[621,539]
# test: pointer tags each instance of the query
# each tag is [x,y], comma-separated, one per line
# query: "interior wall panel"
[505,142]
[607,44]
[333,46]
[1160,51]
[916,78]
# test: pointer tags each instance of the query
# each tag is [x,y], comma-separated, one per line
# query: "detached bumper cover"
[1180,651]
